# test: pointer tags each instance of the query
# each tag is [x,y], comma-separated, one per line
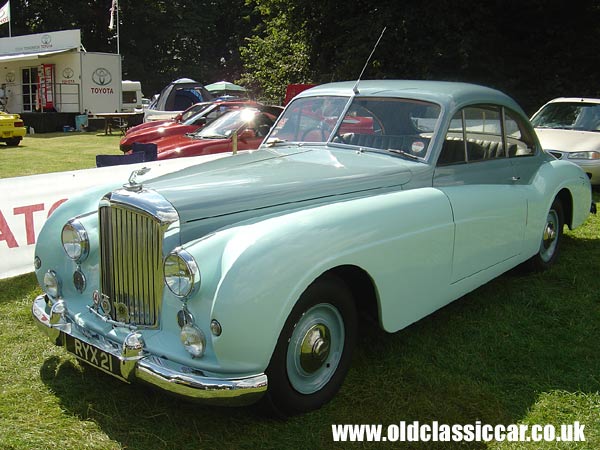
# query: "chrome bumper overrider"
[160,372]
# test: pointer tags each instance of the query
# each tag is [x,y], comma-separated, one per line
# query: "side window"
[453,148]
[476,134]
[483,129]
[518,137]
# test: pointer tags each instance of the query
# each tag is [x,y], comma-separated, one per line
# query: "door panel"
[489,211]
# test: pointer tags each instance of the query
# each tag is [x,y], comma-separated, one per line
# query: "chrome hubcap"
[549,239]
[314,349]
[549,235]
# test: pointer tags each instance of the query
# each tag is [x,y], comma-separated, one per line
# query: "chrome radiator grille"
[131,246]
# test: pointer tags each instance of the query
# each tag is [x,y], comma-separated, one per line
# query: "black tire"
[319,373]
[13,142]
[551,240]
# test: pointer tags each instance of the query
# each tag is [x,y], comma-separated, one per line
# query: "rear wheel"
[13,142]
[314,350]
[551,239]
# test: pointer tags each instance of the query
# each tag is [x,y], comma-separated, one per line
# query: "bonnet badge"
[133,185]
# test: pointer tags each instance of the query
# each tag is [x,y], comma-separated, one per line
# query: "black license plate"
[94,356]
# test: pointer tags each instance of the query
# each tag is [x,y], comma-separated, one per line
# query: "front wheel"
[314,350]
[551,239]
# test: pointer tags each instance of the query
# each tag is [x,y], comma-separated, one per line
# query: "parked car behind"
[175,98]
[184,115]
[251,277]
[189,121]
[569,128]
[248,125]
[12,129]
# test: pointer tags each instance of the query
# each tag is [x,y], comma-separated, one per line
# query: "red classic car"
[248,125]
[195,117]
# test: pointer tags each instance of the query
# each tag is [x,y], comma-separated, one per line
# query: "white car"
[569,128]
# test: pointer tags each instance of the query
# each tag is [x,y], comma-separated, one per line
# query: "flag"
[113,10]
[5,13]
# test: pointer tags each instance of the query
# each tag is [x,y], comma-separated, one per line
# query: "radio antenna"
[355,88]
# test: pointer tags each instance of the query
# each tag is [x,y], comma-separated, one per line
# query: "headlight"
[584,155]
[182,275]
[75,240]
[52,284]
[193,340]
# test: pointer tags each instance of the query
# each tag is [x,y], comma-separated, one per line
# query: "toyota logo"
[68,73]
[10,77]
[101,76]
[46,39]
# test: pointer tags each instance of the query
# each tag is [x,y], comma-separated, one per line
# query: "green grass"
[521,349]
[55,152]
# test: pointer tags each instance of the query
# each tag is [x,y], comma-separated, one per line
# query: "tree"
[272,62]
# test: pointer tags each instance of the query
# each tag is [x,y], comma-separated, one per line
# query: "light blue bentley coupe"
[247,278]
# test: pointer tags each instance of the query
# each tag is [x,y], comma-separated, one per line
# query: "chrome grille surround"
[132,233]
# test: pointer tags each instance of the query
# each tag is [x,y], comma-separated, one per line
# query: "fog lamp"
[79,281]
[52,284]
[193,340]
[182,275]
[75,240]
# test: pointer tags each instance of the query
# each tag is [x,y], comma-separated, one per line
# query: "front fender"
[49,244]
[253,273]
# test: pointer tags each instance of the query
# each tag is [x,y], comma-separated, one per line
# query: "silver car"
[569,128]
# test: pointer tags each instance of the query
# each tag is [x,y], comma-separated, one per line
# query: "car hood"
[568,140]
[260,182]
[172,142]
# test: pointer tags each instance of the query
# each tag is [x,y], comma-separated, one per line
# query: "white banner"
[5,13]
[26,203]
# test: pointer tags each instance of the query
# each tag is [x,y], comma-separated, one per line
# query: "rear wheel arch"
[566,200]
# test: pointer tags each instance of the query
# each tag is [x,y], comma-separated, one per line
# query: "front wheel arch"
[296,385]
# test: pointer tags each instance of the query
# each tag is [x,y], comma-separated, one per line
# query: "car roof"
[447,93]
[574,100]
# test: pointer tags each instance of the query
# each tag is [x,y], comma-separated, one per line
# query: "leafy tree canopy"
[533,50]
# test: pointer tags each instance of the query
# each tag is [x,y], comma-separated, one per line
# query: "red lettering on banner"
[56,205]
[6,234]
[28,212]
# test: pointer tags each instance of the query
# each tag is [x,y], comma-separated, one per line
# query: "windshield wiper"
[403,153]
[212,136]
[274,141]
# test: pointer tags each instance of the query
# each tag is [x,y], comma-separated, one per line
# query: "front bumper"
[136,365]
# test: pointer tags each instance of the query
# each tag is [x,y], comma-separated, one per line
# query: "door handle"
[515,178]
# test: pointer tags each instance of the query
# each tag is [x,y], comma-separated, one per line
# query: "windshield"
[236,120]
[569,115]
[385,124]
[194,110]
